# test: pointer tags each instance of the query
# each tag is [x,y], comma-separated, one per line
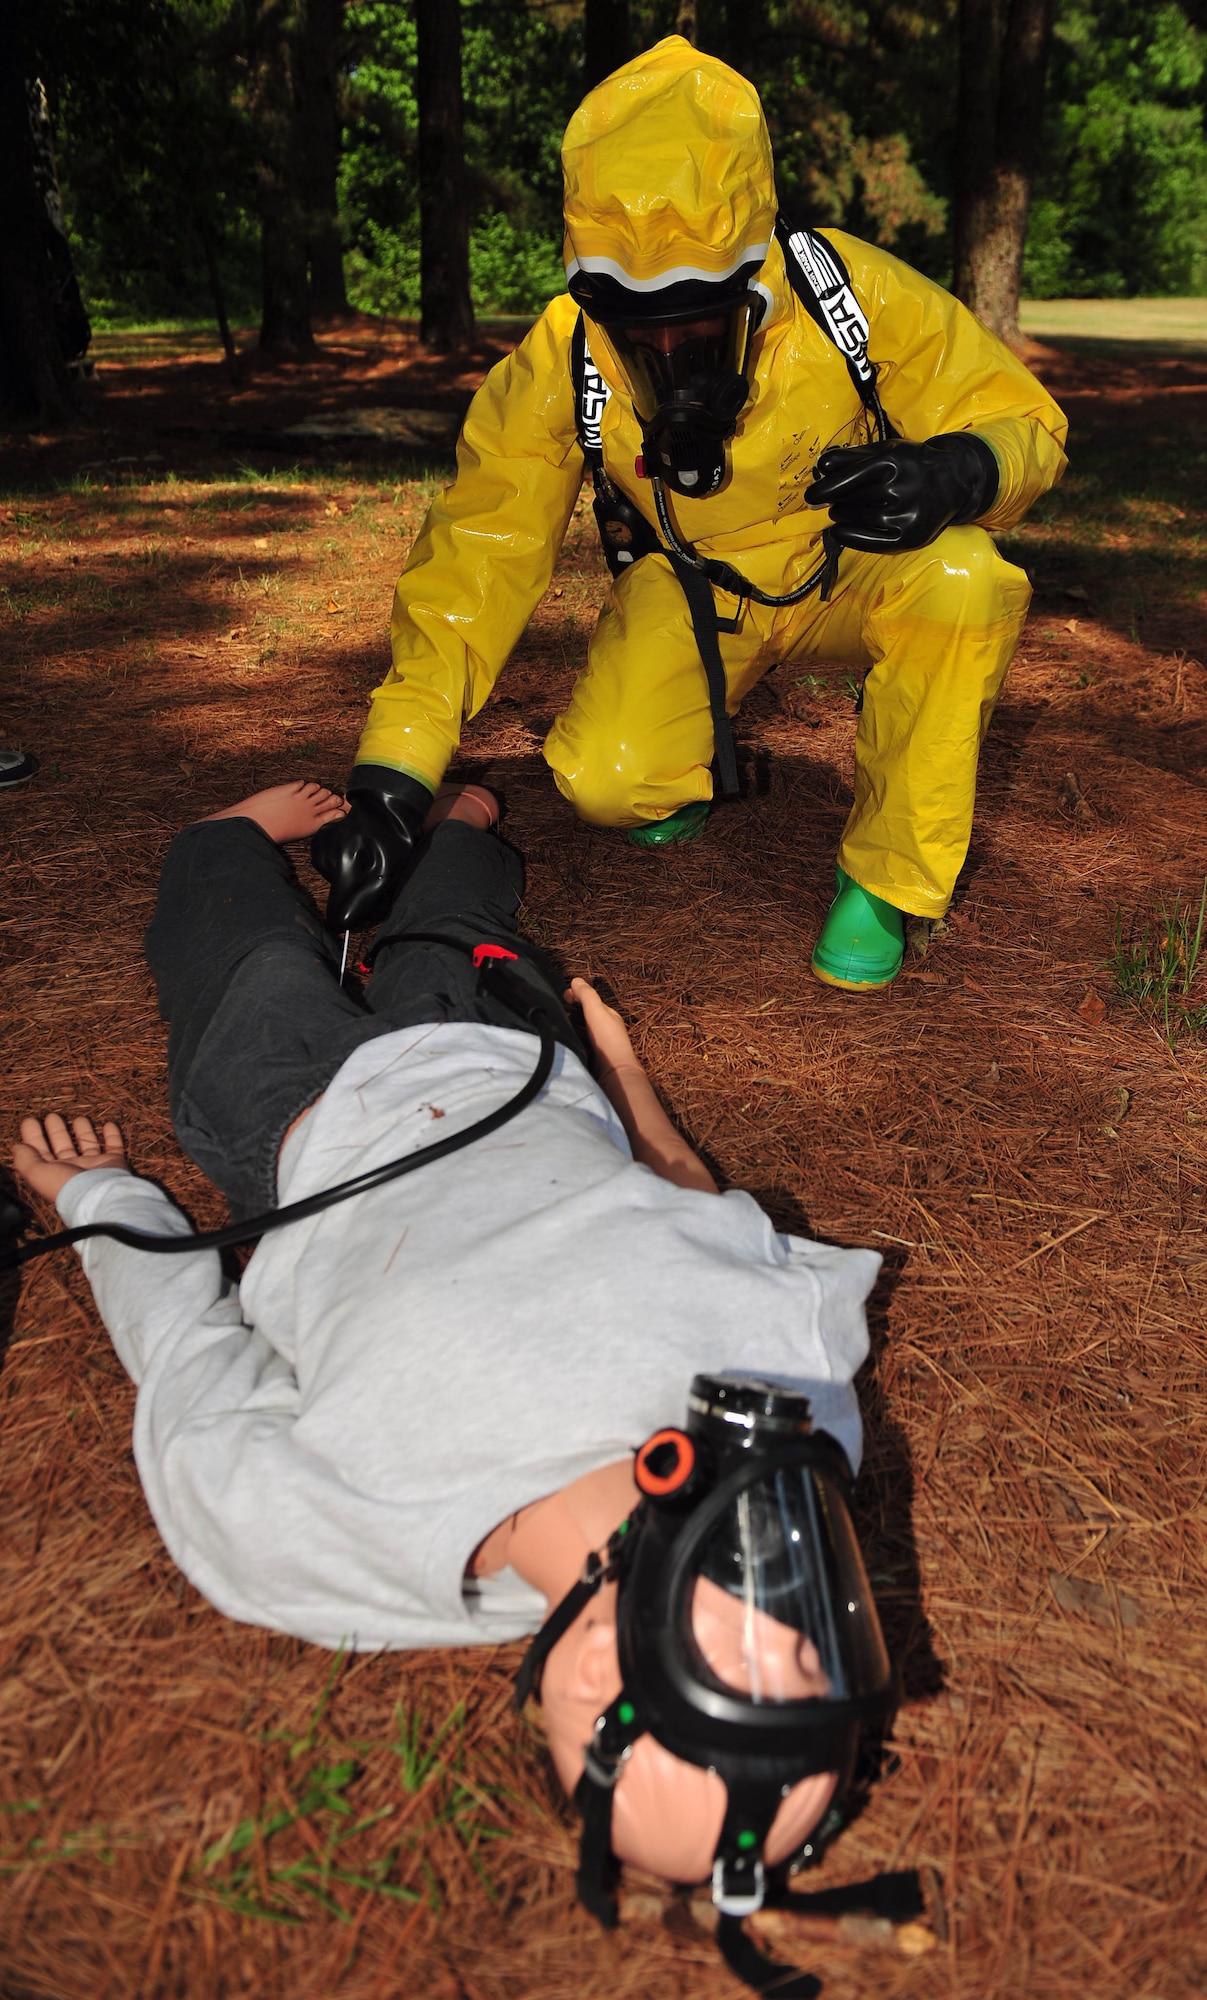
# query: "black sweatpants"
[247,975]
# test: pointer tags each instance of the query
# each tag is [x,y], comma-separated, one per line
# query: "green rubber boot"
[862,941]
[686,824]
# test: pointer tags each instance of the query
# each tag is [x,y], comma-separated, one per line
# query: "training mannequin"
[855,455]
[413,1422]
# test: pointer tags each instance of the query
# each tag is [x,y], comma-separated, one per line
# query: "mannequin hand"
[46,1156]
[367,854]
[606,1030]
[885,497]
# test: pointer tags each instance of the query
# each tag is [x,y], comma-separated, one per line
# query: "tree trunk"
[605,39]
[976,127]
[687,20]
[447,314]
[285,296]
[737,32]
[42,322]
[999,135]
[320,23]
[209,250]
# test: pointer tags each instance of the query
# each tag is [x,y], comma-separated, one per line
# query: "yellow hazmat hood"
[669,181]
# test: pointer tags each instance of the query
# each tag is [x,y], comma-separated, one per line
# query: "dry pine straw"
[1032,1496]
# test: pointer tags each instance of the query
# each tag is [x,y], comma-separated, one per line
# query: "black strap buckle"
[738,1891]
[603,1769]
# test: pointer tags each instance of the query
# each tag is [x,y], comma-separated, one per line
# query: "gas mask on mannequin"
[748,1641]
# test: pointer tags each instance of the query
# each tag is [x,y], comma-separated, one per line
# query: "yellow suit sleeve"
[939,370]
[484,556]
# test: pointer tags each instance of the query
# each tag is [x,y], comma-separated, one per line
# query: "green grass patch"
[130,344]
[256,1882]
[400,1819]
[257,1870]
[1157,965]
[1176,326]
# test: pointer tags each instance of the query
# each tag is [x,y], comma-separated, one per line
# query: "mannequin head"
[667,1813]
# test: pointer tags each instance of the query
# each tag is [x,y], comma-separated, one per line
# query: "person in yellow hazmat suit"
[801,449]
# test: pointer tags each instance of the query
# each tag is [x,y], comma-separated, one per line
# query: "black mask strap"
[600,1568]
[558,1623]
[603,1761]
[756,1970]
[595,1882]
[896,1896]
[737,1879]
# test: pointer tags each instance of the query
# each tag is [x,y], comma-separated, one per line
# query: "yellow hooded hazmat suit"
[668,175]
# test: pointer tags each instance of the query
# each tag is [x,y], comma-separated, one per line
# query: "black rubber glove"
[367,855]
[884,497]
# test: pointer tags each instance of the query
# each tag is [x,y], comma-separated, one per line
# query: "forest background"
[162,115]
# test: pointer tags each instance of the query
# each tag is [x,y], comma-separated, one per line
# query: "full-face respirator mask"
[748,1640]
[683,352]
[687,376]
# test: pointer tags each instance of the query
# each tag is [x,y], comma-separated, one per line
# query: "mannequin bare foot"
[471,803]
[288,812]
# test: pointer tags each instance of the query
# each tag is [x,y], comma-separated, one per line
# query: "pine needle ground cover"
[192,1807]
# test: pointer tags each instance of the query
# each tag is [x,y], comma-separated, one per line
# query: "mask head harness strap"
[604,1759]
[739,1882]
[602,1566]
[616,1730]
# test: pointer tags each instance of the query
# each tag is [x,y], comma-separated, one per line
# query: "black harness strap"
[705,624]
[756,1970]
[896,1896]
[602,1566]
[822,283]
[594,1882]
[603,1761]
[626,536]
[558,1623]
[591,394]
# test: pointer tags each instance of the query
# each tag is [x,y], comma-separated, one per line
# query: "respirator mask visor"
[746,1626]
[779,1609]
[687,376]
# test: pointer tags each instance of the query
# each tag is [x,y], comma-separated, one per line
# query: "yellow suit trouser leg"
[936,628]
[636,741]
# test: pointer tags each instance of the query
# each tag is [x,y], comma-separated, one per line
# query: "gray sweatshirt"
[324,1446]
